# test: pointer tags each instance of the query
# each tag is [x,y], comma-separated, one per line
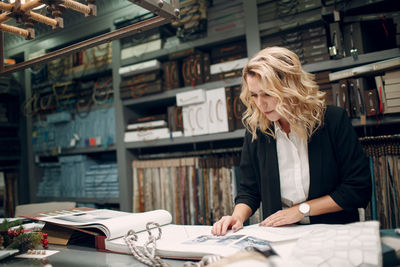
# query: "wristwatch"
[305,209]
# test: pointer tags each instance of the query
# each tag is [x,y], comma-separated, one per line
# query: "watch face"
[304,208]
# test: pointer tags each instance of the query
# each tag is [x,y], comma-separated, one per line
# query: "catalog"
[109,227]
[194,241]
[111,223]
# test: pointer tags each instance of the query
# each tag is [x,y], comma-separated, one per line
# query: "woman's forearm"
[323,205]
[242,212]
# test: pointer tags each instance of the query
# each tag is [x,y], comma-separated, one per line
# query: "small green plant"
[13,236]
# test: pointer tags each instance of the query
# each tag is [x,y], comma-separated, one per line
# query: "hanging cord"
[56,69]
[106,89]
[63,96]
[30,106]
[79,71]
[78,108]
[100,55]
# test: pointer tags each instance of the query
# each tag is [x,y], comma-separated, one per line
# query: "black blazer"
[338,167]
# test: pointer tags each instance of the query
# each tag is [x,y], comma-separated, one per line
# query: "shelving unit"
[126,152]
[170,95]
[204,42]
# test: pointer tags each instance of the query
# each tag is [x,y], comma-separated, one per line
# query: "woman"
[300,158]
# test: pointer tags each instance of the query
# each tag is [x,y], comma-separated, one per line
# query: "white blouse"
[293,167]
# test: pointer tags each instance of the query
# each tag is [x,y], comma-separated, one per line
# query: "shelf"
[223,37]
[172,93]
[9,92]
[238,134]
[8,125]
[9,139]
[75,151]
[81,200]
[370,6]
[286,23]
[385,119]
[348,62]
[9,158]
[90,72]
[9,168]
[76,76]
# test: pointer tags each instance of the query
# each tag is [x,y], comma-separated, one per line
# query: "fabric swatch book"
[105,230]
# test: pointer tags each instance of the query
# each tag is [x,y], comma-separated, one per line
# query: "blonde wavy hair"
[281,75]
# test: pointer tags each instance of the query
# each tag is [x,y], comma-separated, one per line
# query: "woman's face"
[264,102]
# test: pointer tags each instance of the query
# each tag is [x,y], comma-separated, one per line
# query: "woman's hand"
[226,222]
[284,217]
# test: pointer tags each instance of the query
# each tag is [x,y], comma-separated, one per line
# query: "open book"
[108,227]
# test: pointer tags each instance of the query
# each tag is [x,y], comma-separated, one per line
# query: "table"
[73,255]
[81,256]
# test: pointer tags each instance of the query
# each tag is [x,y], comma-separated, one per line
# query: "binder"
[371,102]
[336,49]
[175,122]
[238,107]
[360,88]
[193,69]
[172,74]
[217,111]
[344,100]
[229,108]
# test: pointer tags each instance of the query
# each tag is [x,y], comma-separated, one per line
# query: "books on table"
[109,227]
[305,244]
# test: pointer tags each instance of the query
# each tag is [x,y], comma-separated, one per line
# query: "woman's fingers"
[222,226]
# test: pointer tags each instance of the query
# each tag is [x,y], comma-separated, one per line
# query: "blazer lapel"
[315,154]
[272,187]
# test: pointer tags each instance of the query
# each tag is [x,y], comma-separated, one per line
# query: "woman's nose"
[261,103]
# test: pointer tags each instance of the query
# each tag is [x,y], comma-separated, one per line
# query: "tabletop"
[81,256]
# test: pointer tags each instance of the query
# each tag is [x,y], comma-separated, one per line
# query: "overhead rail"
[23,14]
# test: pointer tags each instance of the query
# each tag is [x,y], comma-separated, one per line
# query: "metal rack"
[166,12]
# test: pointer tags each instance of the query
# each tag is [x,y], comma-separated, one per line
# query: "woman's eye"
[253,95]
[265,94]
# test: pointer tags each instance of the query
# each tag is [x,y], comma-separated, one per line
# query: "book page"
[112,223]
[193,241]
[279,234]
